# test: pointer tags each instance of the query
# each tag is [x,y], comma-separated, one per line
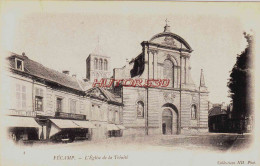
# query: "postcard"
[129,83]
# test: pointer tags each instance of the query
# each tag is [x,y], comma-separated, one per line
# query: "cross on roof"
[167,21]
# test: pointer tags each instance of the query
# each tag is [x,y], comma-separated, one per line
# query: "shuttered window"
[73,106]
[20,96]
[116,117]
[59,104]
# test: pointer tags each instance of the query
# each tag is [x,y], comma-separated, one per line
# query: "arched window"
[140,109]
[193,111]
[105,64]
[100,64]
[97,76]
[168,71]
[96,63]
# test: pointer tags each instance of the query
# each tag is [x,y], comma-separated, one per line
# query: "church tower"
[97,65]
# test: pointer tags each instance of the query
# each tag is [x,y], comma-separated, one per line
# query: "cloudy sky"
[61,35]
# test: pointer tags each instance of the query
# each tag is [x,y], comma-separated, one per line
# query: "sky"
[61,35]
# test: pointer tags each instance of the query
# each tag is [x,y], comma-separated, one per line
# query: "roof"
[36,69]
[217,111]
[103,94]
[110,95]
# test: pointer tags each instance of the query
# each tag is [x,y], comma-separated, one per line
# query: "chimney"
[66,72]
[24,55]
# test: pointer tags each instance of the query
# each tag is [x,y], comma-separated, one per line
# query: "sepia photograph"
[129,83]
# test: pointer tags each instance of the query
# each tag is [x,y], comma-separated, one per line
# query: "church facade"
[181,107]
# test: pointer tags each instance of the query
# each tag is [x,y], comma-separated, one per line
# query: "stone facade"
[178,108]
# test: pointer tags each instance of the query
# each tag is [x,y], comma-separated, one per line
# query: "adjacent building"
[218,119]
[46,104]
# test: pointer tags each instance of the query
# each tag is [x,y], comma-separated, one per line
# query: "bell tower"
[97,65]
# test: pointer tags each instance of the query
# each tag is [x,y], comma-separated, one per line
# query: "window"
[113,116]
[100,64]
[105,64]
[168,71]
[140,109]
[39,92]
[97,76]
[92,112]
[96,63]
[116,117]
[20,96]
[19,64]
[38,103]
[59,104]
[193,111]
[110,115]
[72,106]
[38,99]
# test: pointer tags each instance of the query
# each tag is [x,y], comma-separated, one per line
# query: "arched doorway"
[167,121]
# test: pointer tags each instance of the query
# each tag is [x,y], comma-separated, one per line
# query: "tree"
[240,83]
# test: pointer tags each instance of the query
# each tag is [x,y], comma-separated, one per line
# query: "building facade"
[178,108]
[218,119]
[46,104]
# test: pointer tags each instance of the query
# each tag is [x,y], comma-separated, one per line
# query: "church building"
[181,107]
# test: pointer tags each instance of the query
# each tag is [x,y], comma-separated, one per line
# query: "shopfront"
[69,130]
[113,130]
[22,128]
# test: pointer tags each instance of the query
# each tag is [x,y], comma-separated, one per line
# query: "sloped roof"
[217,111]
[110,95]
[104,94]
[36,69]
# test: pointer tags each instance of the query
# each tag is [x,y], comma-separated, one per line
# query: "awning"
[18,121]
[84,124]
[112,127]
[121,127]
[64,123]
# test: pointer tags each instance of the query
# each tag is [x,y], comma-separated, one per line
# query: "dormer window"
[19,64]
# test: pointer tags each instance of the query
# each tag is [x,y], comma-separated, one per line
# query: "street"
[208,142]
[207,149]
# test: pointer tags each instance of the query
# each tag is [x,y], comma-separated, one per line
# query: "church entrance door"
[167,121]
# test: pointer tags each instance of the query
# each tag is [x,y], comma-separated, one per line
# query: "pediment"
[170,39]
[97,93]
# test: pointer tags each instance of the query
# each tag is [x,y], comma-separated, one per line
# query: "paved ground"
[209,141]
[152,150]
